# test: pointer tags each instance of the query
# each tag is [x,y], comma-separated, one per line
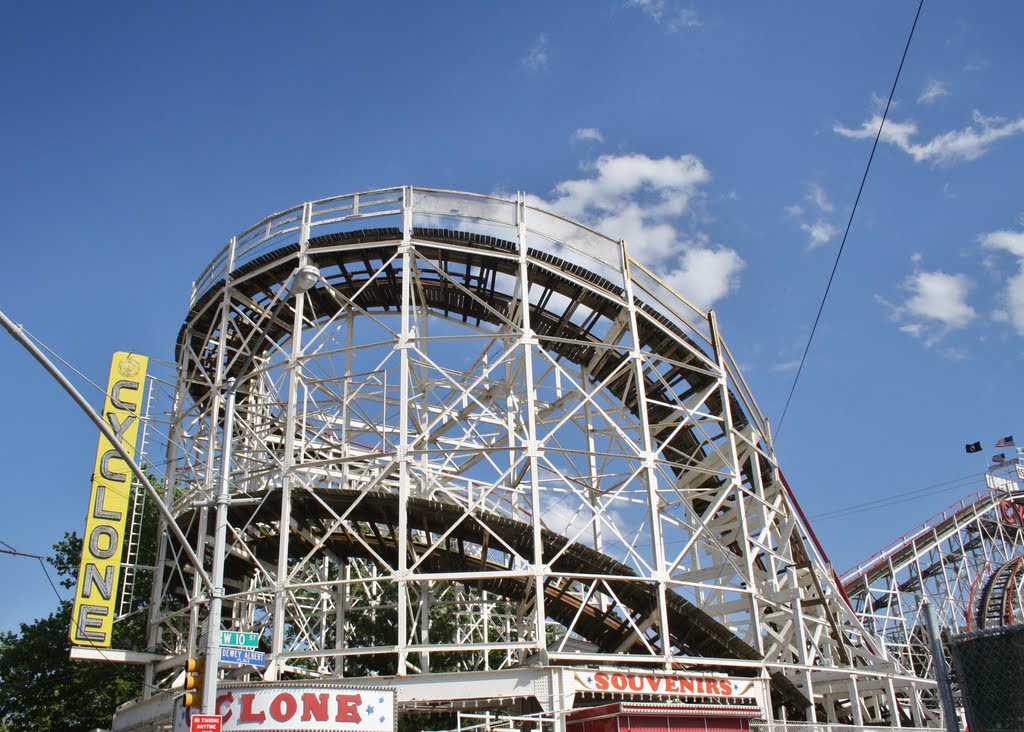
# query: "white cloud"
[642,200]
[668,14]
[936,304]
[632,185]
[964,145]
[706,274]
[820,232]
[1008,241]
[560,518]
[932,92]
[897,133]
[537,58]
[574,519]
[941,297]
[583,134]
[784,366]
[819,229]
[977,63]
[1012,298]
[953,353]
[817,195]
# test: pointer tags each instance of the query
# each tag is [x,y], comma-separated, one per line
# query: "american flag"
[1005,441]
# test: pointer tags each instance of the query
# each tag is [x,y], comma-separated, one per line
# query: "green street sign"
[239,639]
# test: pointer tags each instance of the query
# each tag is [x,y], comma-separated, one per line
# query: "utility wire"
[849,222]
[67,364]
[895,498]
[115,666]
[42,563]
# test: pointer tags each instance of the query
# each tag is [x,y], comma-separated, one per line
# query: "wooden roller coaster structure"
[487,439]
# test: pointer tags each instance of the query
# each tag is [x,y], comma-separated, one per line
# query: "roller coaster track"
[998,601]
[976,543]
[370,533]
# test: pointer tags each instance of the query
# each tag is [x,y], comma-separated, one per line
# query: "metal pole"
[941,673]
[213,622]
[18,333]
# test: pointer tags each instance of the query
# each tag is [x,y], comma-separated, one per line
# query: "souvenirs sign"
[613,682]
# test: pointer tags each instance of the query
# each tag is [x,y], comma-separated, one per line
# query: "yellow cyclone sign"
[93,617]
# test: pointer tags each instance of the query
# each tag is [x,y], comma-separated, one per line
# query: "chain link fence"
[989,666]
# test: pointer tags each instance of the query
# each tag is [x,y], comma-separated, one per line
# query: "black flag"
[973,447]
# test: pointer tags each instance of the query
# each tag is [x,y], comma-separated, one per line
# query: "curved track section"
[1001,600]
[485,437]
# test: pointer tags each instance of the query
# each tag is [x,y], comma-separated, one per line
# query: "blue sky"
[725,142]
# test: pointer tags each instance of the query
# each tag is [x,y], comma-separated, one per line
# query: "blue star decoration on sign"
[371,710]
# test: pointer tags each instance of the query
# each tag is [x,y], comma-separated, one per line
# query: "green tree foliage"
[41,688]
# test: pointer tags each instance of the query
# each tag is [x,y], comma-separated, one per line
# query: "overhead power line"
[902,497]
[849,222]
[115,666]
[38,557]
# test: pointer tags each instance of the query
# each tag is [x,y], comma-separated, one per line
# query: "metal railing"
[970,503]
[545,231]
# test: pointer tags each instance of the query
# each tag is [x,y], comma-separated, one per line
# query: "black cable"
[50,580]
[118,670]
[849,223]
[904,497]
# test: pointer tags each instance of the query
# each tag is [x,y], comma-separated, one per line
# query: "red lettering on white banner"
[672,685]
[275,707]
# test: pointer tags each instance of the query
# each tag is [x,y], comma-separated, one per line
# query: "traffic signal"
[194,670]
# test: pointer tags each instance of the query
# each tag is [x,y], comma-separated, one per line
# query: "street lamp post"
[217,574]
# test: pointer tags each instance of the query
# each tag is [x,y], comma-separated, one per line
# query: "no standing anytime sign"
[205,723]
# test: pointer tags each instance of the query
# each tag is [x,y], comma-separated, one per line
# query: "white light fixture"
[305,278]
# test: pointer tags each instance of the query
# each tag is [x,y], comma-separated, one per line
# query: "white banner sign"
[611,682]
[997,483]
[306,708]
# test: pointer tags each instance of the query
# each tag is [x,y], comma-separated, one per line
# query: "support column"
[736,487]
[858,713]
[528,342]
[401,576]
[288,466]
[216,402]
[801,642]
[650,471]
